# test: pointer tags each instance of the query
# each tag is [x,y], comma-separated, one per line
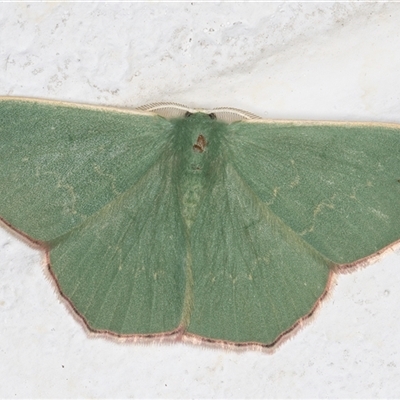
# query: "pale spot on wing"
[99,171]
[319,208]
[295,182]
[353,195]
[69,209]
[378,213]
[274,196]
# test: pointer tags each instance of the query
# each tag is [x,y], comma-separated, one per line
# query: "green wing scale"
[204,225]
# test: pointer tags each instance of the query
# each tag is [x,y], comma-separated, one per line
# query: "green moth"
[200,225]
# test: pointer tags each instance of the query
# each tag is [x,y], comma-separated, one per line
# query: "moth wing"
[336,185]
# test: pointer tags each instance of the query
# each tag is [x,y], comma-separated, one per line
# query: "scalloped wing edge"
[179,335]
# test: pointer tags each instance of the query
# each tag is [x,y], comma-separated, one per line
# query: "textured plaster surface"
[327,61]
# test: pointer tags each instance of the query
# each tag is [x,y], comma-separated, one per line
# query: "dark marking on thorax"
[200,144]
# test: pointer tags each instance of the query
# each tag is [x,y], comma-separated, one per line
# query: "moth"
[203,225]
